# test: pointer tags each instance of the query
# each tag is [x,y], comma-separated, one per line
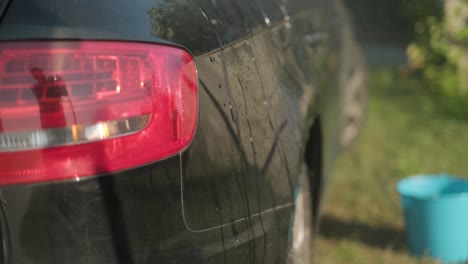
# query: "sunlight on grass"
[407,132]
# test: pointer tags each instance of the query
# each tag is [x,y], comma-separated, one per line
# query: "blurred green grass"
[408,131]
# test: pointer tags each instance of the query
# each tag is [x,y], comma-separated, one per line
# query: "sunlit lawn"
[408,132]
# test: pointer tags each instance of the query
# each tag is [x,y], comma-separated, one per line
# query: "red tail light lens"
[74,109]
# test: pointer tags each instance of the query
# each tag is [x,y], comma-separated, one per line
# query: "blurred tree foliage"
[439,52]
[435,33]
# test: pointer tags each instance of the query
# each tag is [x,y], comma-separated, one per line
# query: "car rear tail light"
[74,109]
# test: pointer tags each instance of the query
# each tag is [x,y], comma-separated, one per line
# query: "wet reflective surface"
[267,70]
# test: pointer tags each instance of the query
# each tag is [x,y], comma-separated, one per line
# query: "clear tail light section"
[74,109]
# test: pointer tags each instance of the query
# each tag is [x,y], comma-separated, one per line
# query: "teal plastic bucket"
[436,216]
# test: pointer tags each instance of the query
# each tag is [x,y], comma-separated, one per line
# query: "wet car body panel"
[262,84]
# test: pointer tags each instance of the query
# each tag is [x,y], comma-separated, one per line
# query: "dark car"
[171,131]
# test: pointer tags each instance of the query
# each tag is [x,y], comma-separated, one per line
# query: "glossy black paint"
[268,70]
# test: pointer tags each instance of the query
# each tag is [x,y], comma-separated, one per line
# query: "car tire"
[355,93]
[353,80]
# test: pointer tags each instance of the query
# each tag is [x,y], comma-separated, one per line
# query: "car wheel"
[302,223]
[355,96]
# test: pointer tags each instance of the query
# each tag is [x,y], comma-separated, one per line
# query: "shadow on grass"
[381,237]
